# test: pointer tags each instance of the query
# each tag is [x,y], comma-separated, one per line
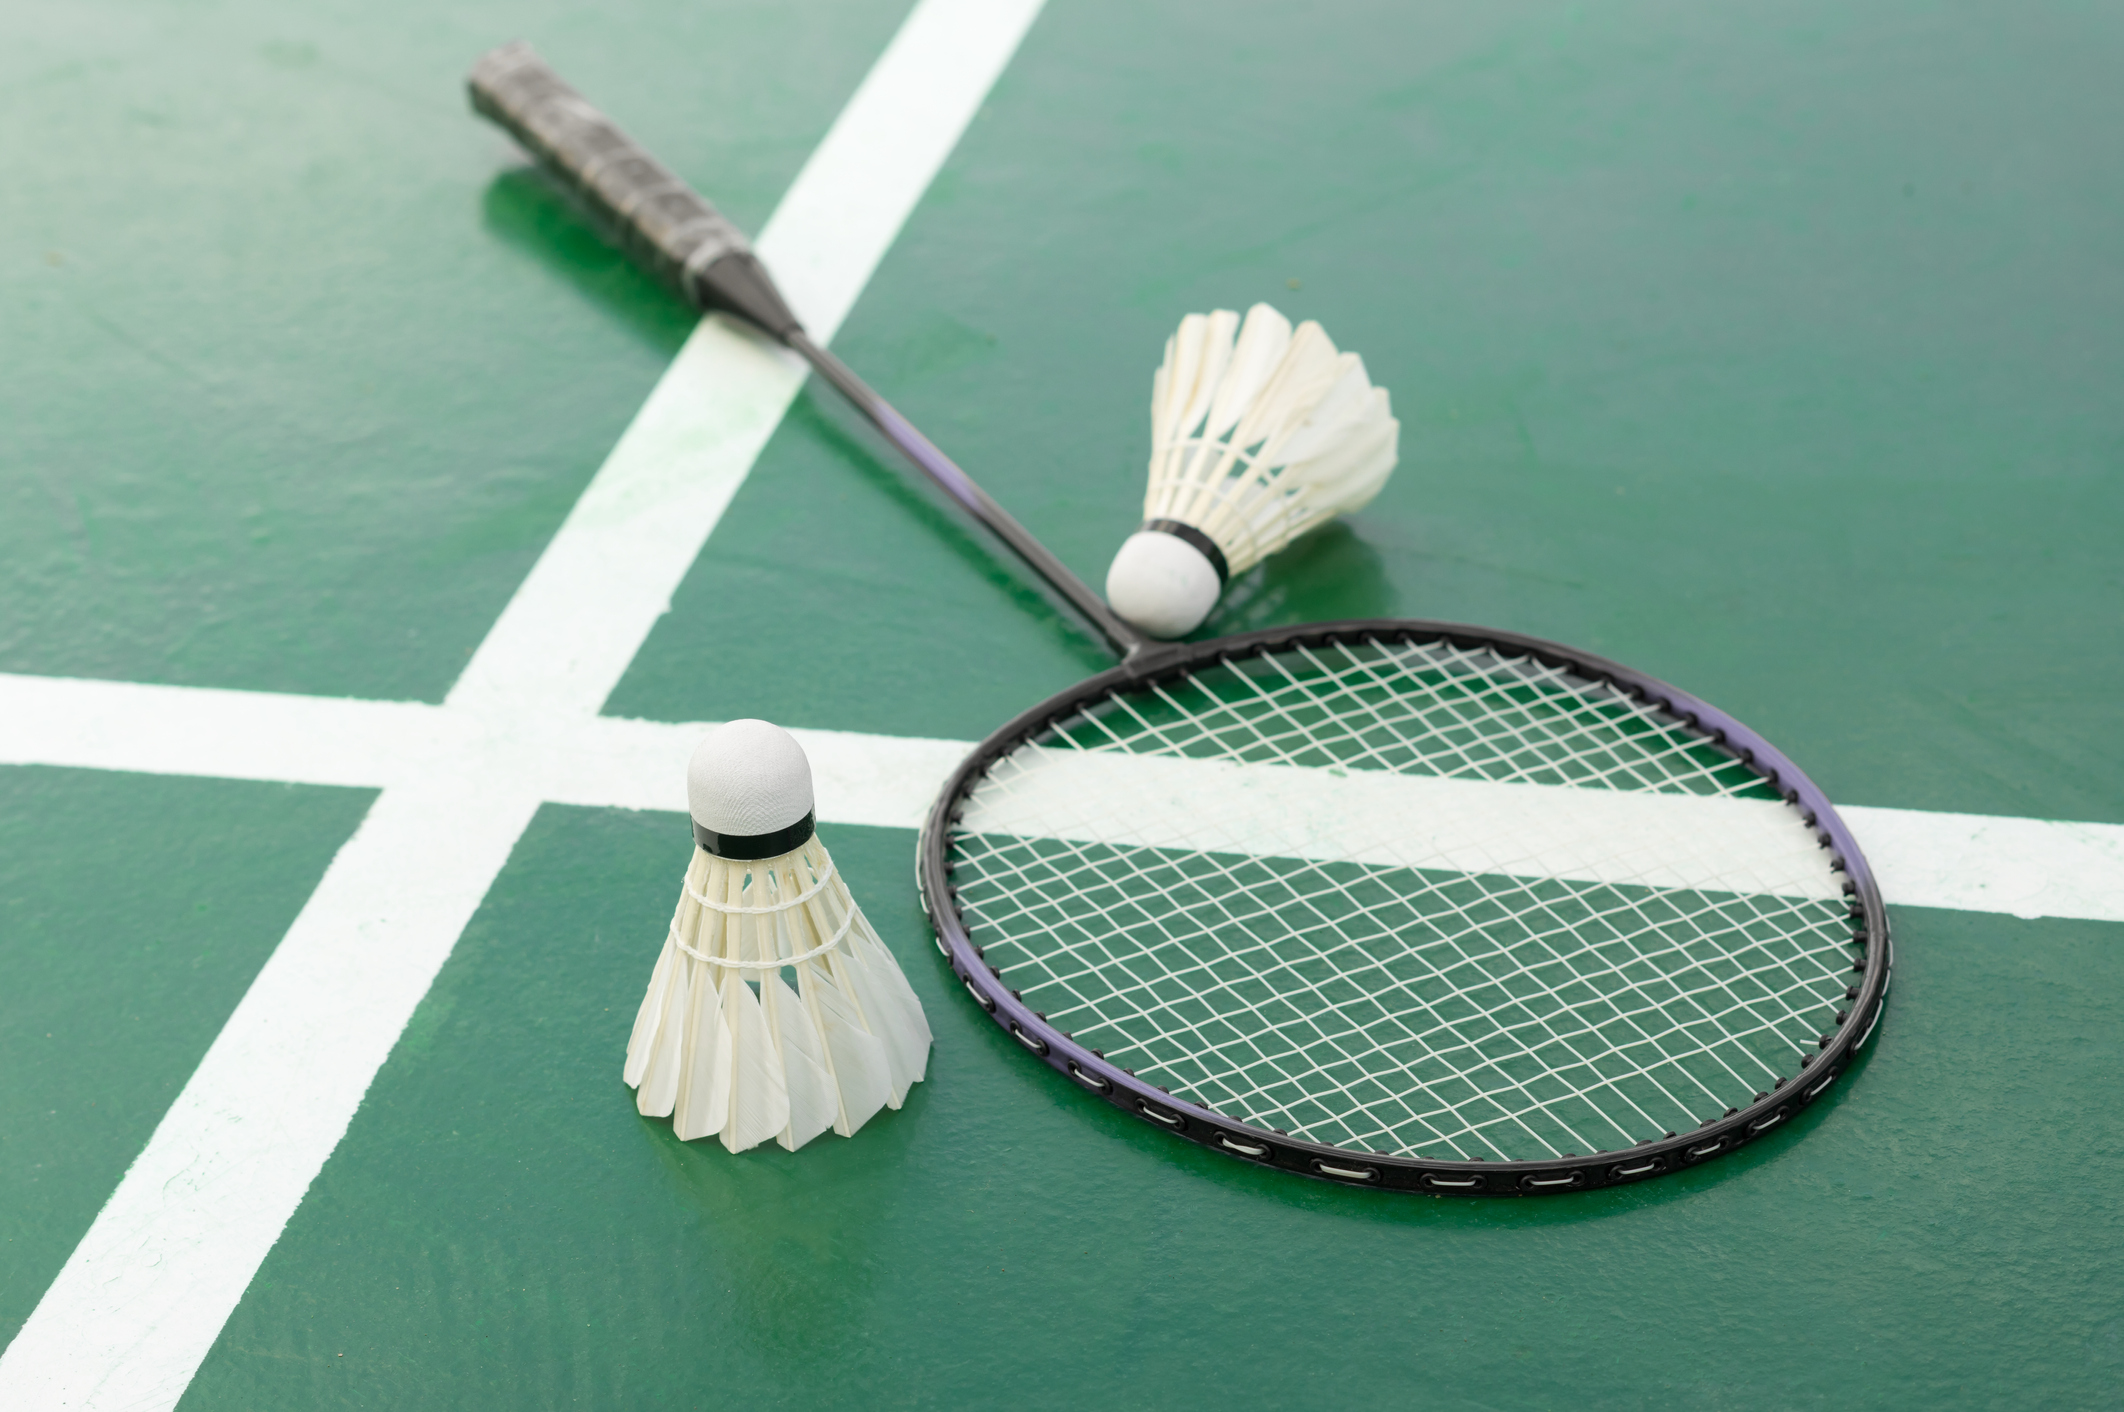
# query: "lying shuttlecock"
[1251,446]
[723,1045]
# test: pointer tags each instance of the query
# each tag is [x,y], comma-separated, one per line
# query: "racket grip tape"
[665,224]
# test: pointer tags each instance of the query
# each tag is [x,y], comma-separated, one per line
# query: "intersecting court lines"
[1922,858]
[145,1294]
[96,1341]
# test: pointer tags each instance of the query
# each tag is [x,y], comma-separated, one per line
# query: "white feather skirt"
[1260,433]
[726,1047]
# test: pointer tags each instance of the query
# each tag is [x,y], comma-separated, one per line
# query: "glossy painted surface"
[260,266]
[133,913]
[501,1229]
[1774,352]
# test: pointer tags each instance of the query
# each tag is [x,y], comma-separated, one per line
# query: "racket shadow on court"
[814,415]
[534,216]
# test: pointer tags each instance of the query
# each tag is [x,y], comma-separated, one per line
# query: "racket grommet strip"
[1552,1181]
[1450,1181]
[1164,1117]
[1031,1041]
[1090,1080]
[1149,708]
[1344,1171]
[985,1001]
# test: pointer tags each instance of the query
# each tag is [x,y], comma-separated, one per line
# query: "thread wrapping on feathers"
[1259,433]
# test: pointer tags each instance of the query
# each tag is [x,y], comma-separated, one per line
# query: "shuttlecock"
[1252,444]
[724,1045]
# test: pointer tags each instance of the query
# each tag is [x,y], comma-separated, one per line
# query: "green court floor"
[1774,351]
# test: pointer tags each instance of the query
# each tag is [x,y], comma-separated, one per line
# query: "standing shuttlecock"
[723,1044]
[1252,445]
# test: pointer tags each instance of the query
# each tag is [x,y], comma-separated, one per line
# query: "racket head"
[1823,951]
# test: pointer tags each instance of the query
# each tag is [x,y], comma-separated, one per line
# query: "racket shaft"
[674,231]
[1124,640]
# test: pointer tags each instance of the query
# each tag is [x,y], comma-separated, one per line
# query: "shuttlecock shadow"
[797,1235]
[529,213]
[1326,575]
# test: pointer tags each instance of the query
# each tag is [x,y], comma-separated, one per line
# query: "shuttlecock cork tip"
[748,787]
[1162,584]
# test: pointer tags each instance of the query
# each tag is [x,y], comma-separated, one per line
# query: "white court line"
[138,1306]
[1962,862]
[146,1293]
[1383,819]
[575,623]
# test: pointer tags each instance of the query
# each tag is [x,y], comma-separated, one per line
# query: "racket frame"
[677,233]
[1085,1068]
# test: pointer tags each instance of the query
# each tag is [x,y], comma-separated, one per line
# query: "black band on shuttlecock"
[1198,541]
[743,847]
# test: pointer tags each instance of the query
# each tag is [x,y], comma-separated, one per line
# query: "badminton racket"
[1396,904]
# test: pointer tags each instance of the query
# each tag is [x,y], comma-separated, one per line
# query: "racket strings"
[1171,961]
[1432,708]
[1256,1030]
[1393,1005]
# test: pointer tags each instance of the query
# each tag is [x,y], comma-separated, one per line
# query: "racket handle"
[674,231]
[663,222]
